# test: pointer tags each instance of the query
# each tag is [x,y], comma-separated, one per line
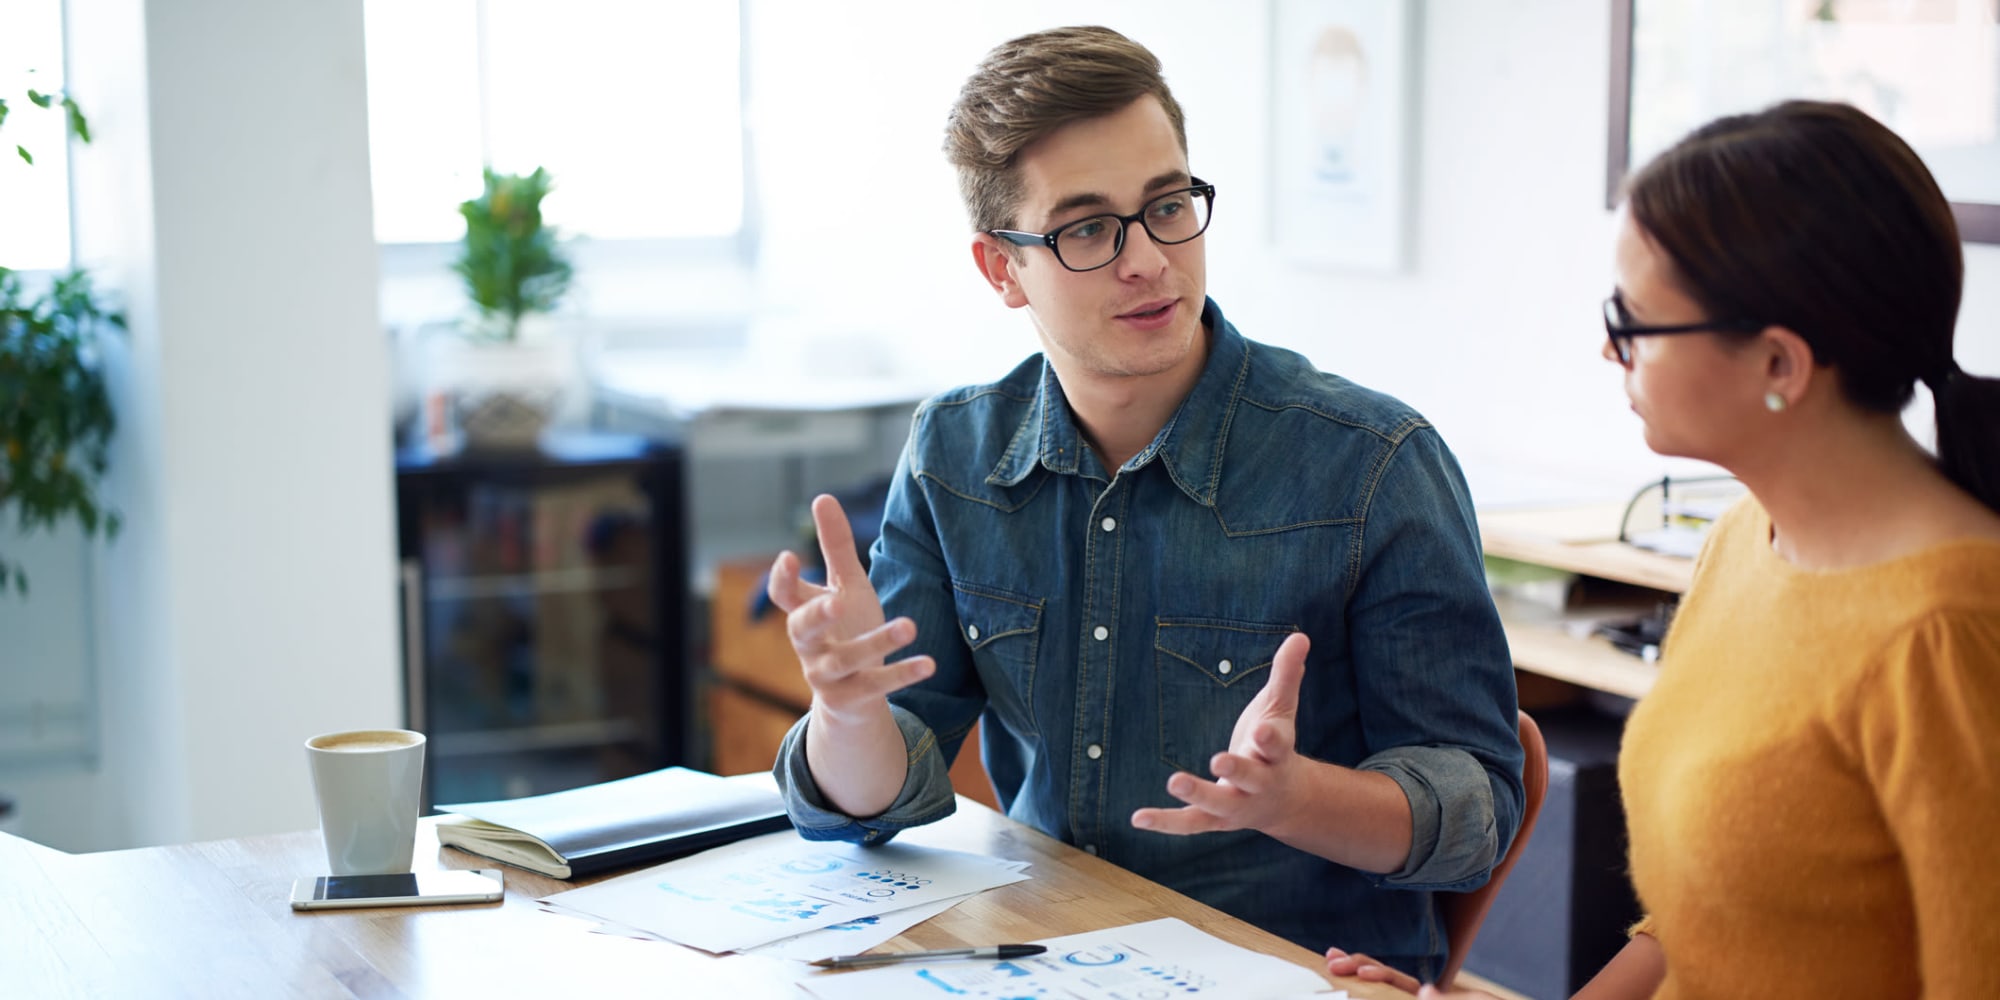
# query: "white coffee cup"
[368,783]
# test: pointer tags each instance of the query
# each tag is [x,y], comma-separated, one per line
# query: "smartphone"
[465,885]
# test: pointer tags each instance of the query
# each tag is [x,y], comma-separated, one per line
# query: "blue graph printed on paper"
[857,924]
[669,887]
[814,865]
[780,909]
[932,978]
[901,880]
[1184,980]
[1094,957]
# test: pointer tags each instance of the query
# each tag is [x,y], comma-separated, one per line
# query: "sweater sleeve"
[1930,741]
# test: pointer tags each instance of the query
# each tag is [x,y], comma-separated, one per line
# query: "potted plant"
[56,419]
[506,384]
[510,261]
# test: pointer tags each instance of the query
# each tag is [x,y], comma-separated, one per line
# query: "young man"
[1120,553]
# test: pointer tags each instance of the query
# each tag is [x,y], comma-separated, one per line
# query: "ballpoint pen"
[1000,952]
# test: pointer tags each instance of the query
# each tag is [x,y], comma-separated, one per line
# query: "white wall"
[250,602]
[1493,331]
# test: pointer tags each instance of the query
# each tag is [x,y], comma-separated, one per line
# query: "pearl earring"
[1774,402]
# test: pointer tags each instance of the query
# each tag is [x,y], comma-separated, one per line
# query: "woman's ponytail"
[1968,432]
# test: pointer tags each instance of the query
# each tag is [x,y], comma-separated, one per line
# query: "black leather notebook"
[642,819]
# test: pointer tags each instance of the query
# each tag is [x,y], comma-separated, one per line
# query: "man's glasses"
[1088,244]
[1619,327]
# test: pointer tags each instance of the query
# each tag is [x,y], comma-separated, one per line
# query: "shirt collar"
[1190,445]
[1047,436]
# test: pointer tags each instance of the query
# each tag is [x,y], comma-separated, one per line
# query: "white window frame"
[56,157]
[701,283]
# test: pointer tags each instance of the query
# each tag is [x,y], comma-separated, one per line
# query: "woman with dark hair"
[1813,787]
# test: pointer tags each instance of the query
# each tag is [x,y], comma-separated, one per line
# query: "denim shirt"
[1110,628]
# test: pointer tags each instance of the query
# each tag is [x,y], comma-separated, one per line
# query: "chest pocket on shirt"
[1206,671]
[1003,630]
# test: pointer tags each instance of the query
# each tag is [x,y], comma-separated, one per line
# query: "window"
[635,109]
[34,200]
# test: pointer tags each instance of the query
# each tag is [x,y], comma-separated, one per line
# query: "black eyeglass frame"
[1621,332]
[1027,239]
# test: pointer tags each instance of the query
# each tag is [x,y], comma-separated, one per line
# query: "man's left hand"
[1259,775]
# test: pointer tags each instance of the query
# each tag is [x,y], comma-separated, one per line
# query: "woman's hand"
[1359,966]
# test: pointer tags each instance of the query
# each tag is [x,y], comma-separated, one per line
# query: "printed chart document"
[1159,958]
[857,936]
[780,885]
[850,938]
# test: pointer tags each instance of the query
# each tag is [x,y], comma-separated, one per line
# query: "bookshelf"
[544,596]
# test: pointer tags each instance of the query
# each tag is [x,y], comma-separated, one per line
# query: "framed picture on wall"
[1341,131]
[1928,69]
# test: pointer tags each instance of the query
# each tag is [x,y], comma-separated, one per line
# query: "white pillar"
[250,601]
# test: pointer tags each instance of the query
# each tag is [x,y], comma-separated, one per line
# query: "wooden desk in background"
[215,920]
[1582,540]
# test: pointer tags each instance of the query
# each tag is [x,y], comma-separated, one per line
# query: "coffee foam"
[364,741]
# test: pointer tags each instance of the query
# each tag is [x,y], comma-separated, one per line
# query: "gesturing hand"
[837,629]
[1257,776]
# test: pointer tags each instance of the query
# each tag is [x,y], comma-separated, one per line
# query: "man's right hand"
[838,629]
[853,747]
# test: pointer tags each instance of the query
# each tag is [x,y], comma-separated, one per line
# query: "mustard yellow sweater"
[1813,787]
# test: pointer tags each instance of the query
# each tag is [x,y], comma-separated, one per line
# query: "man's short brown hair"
[1030,87]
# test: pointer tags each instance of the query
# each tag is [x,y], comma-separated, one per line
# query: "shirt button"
[972,632]
[1101,633]
[1093,751]
[1220,668]
[1108,523]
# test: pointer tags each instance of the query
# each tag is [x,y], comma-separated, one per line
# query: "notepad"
[642,819]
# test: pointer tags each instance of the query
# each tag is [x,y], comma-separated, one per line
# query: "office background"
[250,601]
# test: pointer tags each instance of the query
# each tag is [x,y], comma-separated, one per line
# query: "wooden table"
[215,920]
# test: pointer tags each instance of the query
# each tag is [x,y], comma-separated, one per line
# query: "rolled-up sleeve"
[1434,678]
[1453,837]
[926,796]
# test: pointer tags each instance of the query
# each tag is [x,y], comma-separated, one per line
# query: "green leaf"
[55,410]
[77,125]
[23,150]
[40,99]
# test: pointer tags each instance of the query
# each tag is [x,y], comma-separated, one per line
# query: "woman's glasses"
[1619,327]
